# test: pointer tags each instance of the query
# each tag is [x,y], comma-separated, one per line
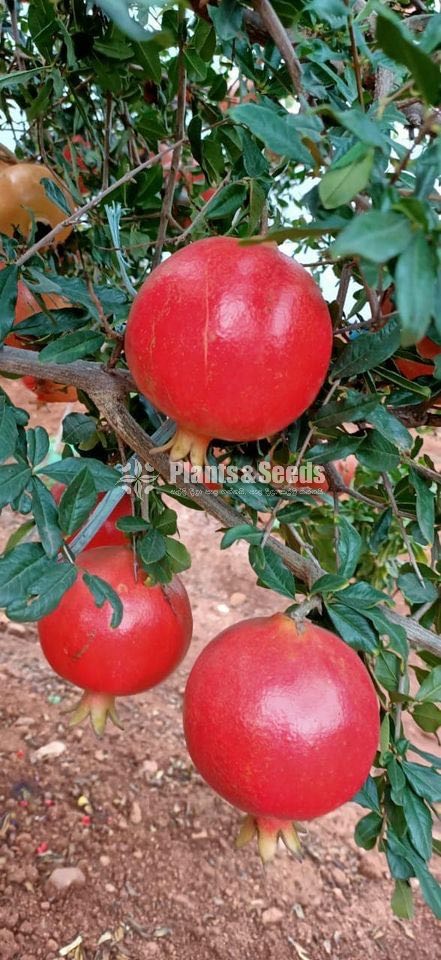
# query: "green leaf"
[367,351]
[335,12]
[365,128]
[78,428]
[375,236]
[356,406]
[37,442]
[415,281]
[425,506]
[152,547]
[419,823]
[46,518]
[348,548]
[45,593]
[400,46]
[271,571]
[227,201]
[14,478]
[19,78]
[8,430]
[340,184]
[430,888]
[132,524]
[391,428]
[242,531]
[387,670]
[368,796]
[353,627]
[118,11]
[8,300]
[430,688]
[427,716]
[19,569]
[256,165]
[18,535]
[334,449]
[361,595]
[56,195]
[72,346]
[415,591]
[178,553]
[380,530]
[423,780]
[102,592]
[402,900]
[77,502]
[227,19]
[166,523]
[104,477]
[276,130]
[397,781]
[180,496]
[378,454]
[43,26]
[368,830]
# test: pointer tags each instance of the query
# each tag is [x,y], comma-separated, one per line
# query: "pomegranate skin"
[229,341]
[151,640]
[281,720]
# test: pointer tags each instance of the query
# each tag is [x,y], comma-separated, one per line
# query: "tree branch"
[281,39]
[108,390]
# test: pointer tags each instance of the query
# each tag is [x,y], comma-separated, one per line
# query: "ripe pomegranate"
[47,391]
[22,197]
[26,306]
[82,647]
[231,342]
[108,535]
[281,719]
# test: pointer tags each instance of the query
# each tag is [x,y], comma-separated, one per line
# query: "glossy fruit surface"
[151,640]
[231,342]
[22,195]
[108,535]
[47,391]
[281,719]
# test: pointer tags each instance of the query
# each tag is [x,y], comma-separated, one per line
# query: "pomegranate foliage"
[194,135]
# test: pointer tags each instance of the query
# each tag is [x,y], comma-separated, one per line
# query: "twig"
[108,329]
[397,515]
[281,39]
[90,205]
[356,62]
[201,213]
[343,287]
[425,129]
[176,155]
[270,523]
[108,389]
[107,129]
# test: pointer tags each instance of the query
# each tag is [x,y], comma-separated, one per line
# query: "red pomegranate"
[151,640]
[108,534]
[231,342]
[281,719]
[47,391]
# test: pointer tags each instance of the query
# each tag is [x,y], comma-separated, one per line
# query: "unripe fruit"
[149,643]
[281,719]
[231,342]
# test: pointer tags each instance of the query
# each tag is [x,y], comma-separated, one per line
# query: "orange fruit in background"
[22,197]
[47,391]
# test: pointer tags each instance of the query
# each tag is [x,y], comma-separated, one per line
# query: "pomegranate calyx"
[185,444]
[98,707]
[268,831]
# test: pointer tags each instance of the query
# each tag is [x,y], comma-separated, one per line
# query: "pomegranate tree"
[230,341]
[82,646]
[281,719]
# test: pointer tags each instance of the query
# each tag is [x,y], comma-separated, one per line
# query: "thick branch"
[107,389]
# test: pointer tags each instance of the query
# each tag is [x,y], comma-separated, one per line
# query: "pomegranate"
[231,342]
[281,719]
[23,198]
[82,647]
[47,391]
[108,535]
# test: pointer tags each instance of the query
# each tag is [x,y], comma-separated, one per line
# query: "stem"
[282,41]
[356,62]
[396,513]
[176,155]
